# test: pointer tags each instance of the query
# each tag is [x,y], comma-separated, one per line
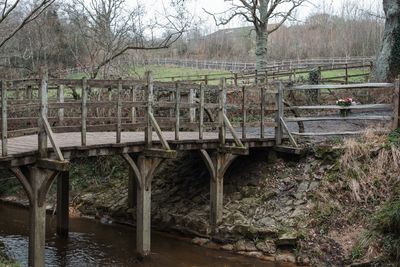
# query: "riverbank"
[312,210]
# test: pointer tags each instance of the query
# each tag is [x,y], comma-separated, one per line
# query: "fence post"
[148,138]
[60,98]
[192,110]
[262,107]
[133,109]
[3,87]
[244,112]
[119,111]
[177,110]
[221,112]
[42,135]
[84,111]
[201,112]
[346,66]
[256,77]
[396,107]
[279,115]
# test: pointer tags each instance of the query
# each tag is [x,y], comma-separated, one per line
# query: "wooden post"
[37,212]
[29,94]
[201,112]
[177,110]
[42,136]
[396,106]
[192,110]
[206,79]
[221,112]
[262,108]
[60,98]
[84,111]
[244,113]
[119,112]
[256,77]
[4,126]
[235,79]
[63,204]
[149,110]
[133,110]
[346,73]
[279,115]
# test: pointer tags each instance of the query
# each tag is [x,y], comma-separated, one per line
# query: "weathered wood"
[51,164]
[262,112]
[291,138]
[233,132]
[160,153]
[119,111]
[235,150]
[222,111]
[50,135]
[133,109]
[201,112]
[63,204]
[4,118]
[84,111]
[336,107]
[338,133]
[396,106]
[244,113]
[177,110]
[347,118]
[42,136]
[279,114]
[192,110]
[159,132]
[148,132]
[60,98]
[340,87]
[131,188]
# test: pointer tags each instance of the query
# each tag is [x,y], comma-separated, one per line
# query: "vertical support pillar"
[133,110]
[201,112]
[279,114]
[396,106]
[3,88]
[63,204]
[119,112]
[84,111]
[177,110]
[346,68]
[42,136]
[221,112]
[60,98]
[262,112]
[217,193]
[149,110]
[244,113]
[192,110]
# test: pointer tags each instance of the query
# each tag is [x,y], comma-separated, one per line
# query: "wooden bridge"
[47,122]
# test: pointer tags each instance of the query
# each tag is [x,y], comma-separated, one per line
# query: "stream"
[91,243]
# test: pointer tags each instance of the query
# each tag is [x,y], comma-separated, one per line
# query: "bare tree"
[110,29]
[9,8]
[260,13]
[387,66]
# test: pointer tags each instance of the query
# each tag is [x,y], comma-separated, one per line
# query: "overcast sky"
[315,6]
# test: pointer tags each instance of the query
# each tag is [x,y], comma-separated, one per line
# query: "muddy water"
[95,244]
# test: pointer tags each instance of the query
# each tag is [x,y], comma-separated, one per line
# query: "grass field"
[165,73]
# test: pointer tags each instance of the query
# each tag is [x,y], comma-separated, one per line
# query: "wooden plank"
[4,116]
[159,132]
[160,153]
[336,133]
[50,134]
[235,150]
[42,141]
[84,111]
[192,110]
[336,107]
[262,114]
[51,164]
[119,112]
[133,109]
[396,106]
[177,110]
[347,86]
[201,112]
[148,132]
[374,118]
[291,138]
[233,132]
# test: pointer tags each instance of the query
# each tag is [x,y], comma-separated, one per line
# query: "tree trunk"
[388,61]
[261,50]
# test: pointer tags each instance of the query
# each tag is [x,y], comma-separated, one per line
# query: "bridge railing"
[46,106]
[376,104]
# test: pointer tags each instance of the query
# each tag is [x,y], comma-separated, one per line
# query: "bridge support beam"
[217,164]
[143,169]
[63,204]
[36,183]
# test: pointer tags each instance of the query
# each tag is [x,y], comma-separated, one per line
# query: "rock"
[302,187]
[287,239]
[285,257]
[200,241]
[267,222]
[268,247]
[243,245]
[254,254]
[313,186]
[297,212]
[227,247]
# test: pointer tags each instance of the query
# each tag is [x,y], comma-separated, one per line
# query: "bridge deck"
[104,143]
